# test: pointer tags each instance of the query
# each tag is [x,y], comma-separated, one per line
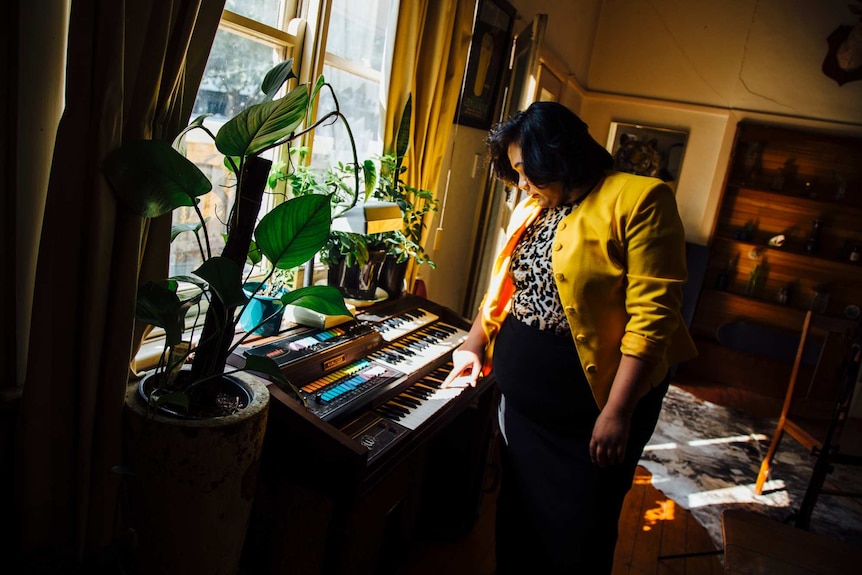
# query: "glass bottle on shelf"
[855,255]
[753,279]
[812,246]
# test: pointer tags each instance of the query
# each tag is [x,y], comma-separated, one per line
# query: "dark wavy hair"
[555,147]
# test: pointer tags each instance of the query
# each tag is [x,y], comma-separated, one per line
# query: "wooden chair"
[825,445]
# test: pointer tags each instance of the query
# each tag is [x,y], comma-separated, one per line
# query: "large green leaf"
[254,256]
[314,91]
[152,178]
[265,365]
[402,138]
[177,229]
[260,126]
[291,233]
[224,278]
[369,174]
[194,125]
[322,299]
[276,77]
[157,304]
[189,279]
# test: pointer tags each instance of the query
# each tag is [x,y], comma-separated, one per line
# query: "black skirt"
[557,512]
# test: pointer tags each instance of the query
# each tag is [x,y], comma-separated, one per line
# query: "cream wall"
[753,55]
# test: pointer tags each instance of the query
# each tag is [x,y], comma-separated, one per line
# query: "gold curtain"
[431,46]
[132,70]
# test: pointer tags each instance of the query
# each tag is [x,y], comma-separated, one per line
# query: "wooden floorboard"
[650,525]
[673,527]
[629,516]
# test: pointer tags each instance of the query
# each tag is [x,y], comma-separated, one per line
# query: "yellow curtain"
[431,45]
[132,71]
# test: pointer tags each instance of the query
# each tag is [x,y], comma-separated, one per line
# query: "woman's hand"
[610,436]
[466,367]
[467,359]
[611,431]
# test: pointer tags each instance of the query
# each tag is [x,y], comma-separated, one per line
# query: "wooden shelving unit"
[780,180]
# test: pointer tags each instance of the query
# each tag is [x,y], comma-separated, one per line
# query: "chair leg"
[785,409]
[766,464]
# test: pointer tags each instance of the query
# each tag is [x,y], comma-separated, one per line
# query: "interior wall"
[571,30]
[753,55]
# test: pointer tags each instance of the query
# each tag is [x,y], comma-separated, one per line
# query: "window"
[358,57]
[252,37]
[242,52]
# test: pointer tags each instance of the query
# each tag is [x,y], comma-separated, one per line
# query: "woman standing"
[580,324]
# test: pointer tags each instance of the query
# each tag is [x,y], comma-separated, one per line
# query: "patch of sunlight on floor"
[712,441]
[774,494]
[643,480]
[665,511]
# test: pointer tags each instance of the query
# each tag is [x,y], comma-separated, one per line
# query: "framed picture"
[647,150]
[486,64]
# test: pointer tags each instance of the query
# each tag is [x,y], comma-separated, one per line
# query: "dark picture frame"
[669,143]
[486,64]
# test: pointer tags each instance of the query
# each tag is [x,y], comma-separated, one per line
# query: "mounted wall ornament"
[843,62]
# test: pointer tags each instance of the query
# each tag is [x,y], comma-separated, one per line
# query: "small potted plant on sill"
[196,429]
[359,263]
[265,309]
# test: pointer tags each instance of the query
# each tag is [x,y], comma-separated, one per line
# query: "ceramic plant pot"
[192,483]
[392,276]
[357,282]
[261,308]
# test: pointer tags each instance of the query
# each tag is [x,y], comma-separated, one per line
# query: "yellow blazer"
[619,265]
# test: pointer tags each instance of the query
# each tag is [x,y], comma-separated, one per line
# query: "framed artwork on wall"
[487,63]
[647,150]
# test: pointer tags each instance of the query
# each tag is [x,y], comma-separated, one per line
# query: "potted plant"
[415,203]
[195,431]
[264,312]
[359,263]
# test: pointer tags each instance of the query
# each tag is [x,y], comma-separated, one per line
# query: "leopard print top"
[536,301]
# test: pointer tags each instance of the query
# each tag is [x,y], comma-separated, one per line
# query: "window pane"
[234,71]
[359,101]
[266,11]
[357,30]
[231,82]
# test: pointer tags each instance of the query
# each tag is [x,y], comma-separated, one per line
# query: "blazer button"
[591,368]
[562,226]
[557,246]
[580,338]
[559,277]
[571,310]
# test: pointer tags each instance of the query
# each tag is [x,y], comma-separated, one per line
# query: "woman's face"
[550,196]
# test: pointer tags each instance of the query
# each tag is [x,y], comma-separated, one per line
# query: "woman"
[580,323]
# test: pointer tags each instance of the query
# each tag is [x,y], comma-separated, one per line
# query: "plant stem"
[208,253]
[212,351]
